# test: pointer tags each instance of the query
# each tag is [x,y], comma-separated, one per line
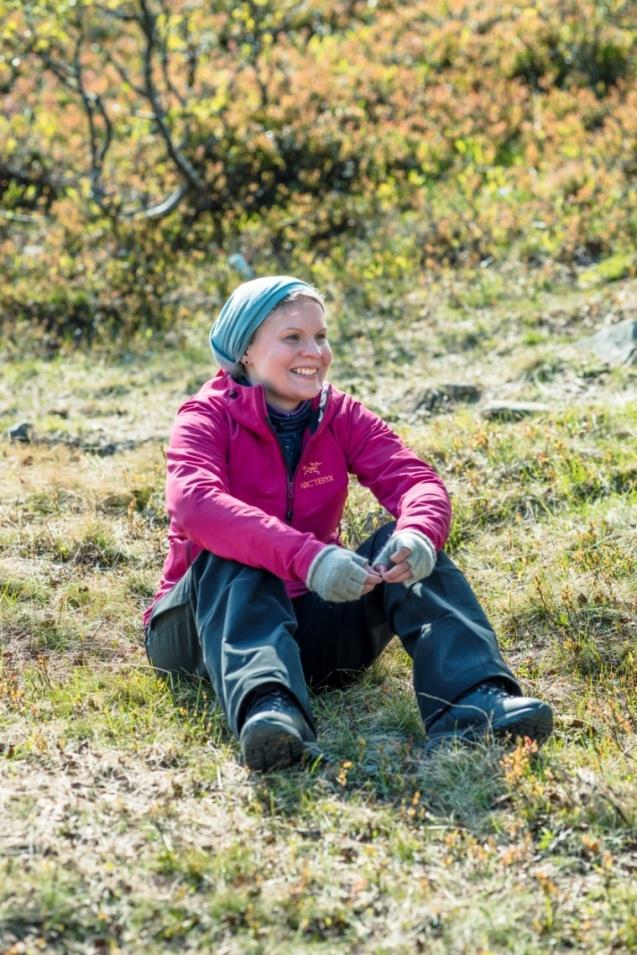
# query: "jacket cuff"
[427,541]
[316,564]
[307,558]
[422,535]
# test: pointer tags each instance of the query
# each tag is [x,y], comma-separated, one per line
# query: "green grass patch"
[129,822]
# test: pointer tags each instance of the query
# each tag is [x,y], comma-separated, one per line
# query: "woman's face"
[290,354]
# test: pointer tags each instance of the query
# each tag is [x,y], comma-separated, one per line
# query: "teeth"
[304,371]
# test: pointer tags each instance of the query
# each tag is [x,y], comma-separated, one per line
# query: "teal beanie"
[246,309]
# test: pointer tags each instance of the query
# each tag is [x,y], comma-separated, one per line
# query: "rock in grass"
[118,501]
[434,398]
[616,345]
[513,410]
[462,391]
[21,432]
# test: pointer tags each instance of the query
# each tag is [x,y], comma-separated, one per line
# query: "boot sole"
[536,724]
[266,746]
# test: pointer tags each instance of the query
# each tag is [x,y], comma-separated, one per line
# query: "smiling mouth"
[304,372]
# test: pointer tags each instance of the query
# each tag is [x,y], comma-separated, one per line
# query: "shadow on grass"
[371,737]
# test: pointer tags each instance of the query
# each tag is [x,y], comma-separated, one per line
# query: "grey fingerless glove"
[422,559]
[337,574]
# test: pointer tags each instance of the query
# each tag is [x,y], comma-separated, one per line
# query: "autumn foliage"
[143,142]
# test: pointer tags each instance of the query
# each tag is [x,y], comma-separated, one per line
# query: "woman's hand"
[373,579]
[338,575]
[401,572]
[412,555]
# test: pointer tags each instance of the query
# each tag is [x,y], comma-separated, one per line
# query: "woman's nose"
[311,348]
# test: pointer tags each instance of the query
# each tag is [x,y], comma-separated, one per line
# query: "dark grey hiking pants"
[236,626]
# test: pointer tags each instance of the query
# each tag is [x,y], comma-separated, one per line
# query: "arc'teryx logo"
[314,477]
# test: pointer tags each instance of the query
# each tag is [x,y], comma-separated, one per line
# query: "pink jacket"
[228,489]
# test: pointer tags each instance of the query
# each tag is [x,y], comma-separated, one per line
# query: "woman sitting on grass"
[259,596]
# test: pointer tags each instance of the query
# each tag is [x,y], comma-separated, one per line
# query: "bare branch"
[165,61]
[93,104]
[192,55]
[123,73]
[72,77]
[60,70]
[190,174]
[156,84]
[168,205]
[116,14]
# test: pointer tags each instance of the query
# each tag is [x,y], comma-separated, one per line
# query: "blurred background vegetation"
[152,153]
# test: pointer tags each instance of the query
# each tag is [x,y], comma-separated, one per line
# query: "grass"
[127,821]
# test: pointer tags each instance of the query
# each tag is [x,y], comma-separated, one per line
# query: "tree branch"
[92,102]
[148,24]
[192,56]
[168,205]
[165,62]
[123,73]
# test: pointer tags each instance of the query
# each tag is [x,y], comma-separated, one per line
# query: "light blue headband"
[246,309]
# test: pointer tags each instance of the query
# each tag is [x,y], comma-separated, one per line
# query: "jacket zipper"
[289,508]
[289,504]
[292,477]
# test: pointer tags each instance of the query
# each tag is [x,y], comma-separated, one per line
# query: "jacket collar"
[247,403]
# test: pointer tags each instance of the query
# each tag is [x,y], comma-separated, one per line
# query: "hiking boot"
[275,733]
[489,709]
